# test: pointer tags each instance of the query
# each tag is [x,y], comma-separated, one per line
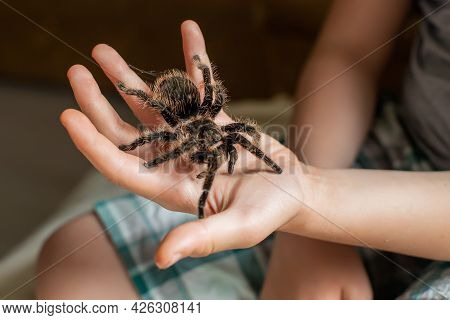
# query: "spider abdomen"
[178,92]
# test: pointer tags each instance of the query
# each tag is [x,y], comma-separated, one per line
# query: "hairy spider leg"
[207,78]
[163,136]
[226,148]
[201,157]
[220,94]
[165,112]
[213,165]
[232,154]
[173,154]
[246,144]
[240,127]
[216,90]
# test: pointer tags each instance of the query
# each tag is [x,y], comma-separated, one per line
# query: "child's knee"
[79,262]
[60,240]
[358,291]
[57,255]
[338,291]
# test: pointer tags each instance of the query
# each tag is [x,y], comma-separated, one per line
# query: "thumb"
[200,238]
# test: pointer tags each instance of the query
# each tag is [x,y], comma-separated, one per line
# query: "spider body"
[190,130]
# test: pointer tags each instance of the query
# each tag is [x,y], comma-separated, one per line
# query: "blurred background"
[259,47]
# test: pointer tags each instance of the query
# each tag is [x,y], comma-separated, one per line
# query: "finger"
[97,108]
[117,70]
[199,238]
[121,168]
[194,44]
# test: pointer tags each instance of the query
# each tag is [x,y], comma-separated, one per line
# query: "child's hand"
[242,208]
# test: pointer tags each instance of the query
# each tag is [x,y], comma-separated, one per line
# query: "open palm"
[242,208]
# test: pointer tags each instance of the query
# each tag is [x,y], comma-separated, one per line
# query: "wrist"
[314,192]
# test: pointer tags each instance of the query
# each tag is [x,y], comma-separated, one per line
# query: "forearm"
[339,114]
[338,86]
[404,212]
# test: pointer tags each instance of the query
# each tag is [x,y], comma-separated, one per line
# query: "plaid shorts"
[136,225]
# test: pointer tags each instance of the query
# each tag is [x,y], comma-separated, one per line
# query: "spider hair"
[190,130]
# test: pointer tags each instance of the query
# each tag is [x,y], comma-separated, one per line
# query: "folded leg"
[220,98]
[207,79]
[165,112]
[241,127]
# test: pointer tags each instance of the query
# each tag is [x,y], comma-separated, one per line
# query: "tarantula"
[190,129]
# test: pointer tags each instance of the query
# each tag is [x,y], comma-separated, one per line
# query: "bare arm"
[341,111]
[405,212]
[340,114]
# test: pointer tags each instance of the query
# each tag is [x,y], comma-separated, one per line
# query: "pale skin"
[369,206]
[340,114]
